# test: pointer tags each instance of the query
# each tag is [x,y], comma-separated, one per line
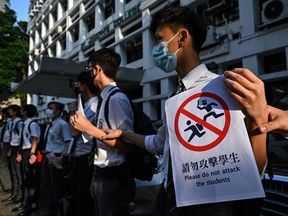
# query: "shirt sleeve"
[155,143]
[35,130]
[65,130]
[120,113]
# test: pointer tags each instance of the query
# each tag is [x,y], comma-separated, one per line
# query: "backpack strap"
[29,125]
[16,127]
[114,91]
[2,132]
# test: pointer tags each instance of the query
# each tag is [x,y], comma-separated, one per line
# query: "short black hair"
[15,108]
[85,78]
[107,59]
[177,17]
[4,111]
[30,109]
[59,105]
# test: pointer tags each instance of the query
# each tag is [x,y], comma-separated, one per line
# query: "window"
[63,43]
[274,63]
[54,16]
[64,5]
[275,90]
[75,33]
[219,12]
[109,8]
[90,21]
[134,49]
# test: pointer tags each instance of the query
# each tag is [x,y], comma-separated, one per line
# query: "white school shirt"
[58,135]
[34,132]
[17,125]
[6,137]
[120,117]
[90,108]
[159,143]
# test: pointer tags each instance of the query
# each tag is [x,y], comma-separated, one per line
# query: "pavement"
[7,210]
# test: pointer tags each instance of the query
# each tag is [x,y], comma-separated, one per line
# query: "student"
[58,137]
[81,173]
[113,186]
[26,156]
[179,34]
[16,126]
[4,159]
[249,91]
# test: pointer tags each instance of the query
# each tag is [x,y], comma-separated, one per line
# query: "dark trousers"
[30,184]
[114,190]
[81,178]
[232,208]
[4,167]
[16,175]
[52,187]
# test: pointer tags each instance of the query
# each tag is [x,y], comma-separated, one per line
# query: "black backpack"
[16,127]
[42,133]
[141,162]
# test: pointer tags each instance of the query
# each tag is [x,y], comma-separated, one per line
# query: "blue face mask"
[163,60]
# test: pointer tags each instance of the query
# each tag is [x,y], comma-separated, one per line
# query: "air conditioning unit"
[211,37]
[274,10]
[36,52]
[59,29]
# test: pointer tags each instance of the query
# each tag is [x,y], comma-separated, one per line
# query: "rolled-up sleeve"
[155,143]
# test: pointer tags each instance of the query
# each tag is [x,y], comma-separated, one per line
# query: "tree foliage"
[13,47]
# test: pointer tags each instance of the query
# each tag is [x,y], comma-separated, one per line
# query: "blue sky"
[21,9]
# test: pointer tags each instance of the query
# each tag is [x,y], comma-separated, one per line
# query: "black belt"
[24,150]
[56,154]
[121,171]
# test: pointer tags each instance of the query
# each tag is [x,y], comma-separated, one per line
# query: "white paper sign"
[212,158]
[86,137]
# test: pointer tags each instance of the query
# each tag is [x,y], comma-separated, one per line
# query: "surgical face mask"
[49,113]
[163,60]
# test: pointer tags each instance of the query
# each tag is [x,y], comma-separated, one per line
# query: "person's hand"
[19,158]
[248,90]
[278,121]
[9,153]
[79,122]
[32,159]
[111,134]
[92,188]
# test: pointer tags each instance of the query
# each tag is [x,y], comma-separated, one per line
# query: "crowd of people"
[93,155]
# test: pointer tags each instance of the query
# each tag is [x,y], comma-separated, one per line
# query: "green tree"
[13,46]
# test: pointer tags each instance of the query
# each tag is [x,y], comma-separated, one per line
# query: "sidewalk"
[7,210]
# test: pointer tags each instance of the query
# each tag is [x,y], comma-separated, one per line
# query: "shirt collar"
[27,120]
[106,90]
[56,120]
[194,75]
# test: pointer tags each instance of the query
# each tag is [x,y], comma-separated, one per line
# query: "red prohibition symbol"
[220,132]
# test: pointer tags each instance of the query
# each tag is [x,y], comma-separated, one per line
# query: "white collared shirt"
[6,137]
[90,113]
[16,131]
[58,135]
[158,144]
[120,117]
[34,131]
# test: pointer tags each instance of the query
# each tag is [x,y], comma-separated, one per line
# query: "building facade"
[241,33]
[3,4]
